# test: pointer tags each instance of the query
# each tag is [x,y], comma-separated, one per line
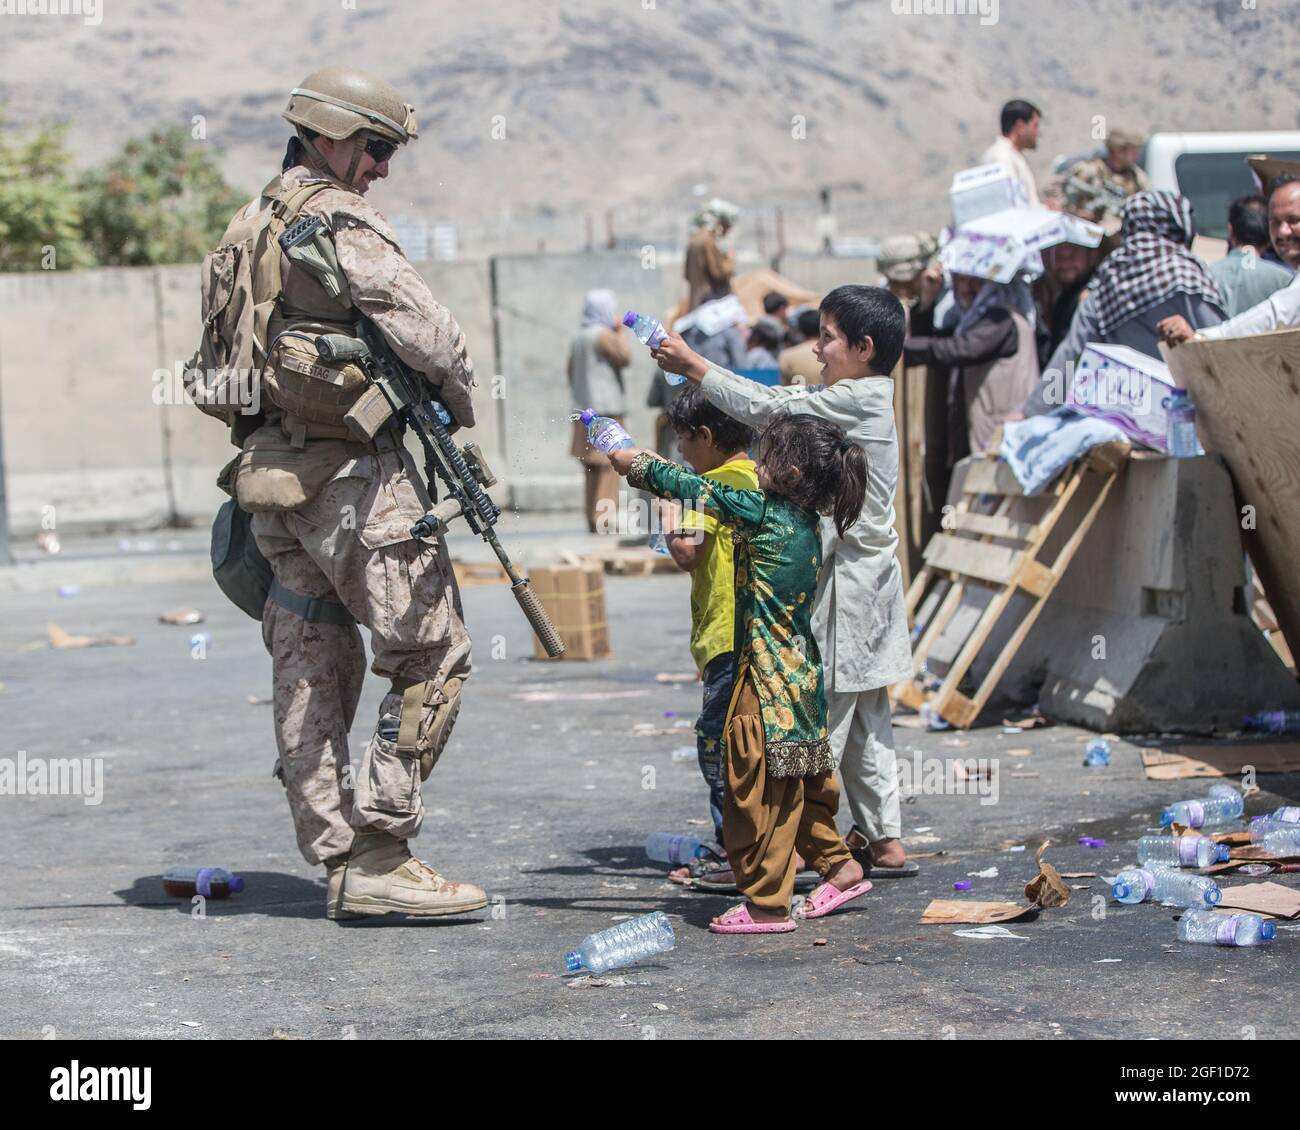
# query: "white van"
[1210,168]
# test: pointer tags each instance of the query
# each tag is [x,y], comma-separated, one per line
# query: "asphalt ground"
[544,797]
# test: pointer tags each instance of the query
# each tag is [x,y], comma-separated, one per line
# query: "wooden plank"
[996,564]
[1017,637]
[990,476]
[1036,578]
[1246,392]
[991,525]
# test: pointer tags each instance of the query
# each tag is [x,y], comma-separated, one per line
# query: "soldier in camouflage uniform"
[1097,188]
[339,541]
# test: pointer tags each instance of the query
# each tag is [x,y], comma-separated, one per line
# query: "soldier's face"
[338,155]
[1123,158]
[1284,223]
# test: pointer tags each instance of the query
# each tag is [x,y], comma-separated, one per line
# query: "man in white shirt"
[1020,124]
[1281,309]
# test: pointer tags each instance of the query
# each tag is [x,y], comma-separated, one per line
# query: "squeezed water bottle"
[1261,826]
[664,847]
[604,434]
[1097,754]
[1137,884]
[1273,721]
[1225,929]
[1181,851]
[1282,841]
[650,331]
[1287,815]
[1224,806]
[623,944]
[210,882]
[1180,424]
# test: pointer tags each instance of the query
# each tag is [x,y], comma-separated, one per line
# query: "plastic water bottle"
[1225,929]
[1181,851]
[1261,826]
[933,719]
[1273,721]
[1282,841]
[623,944]
[1287,815]
[664,847]
[1159,884]
[650,331]
[210,882]
[1097,754]
[604,434]
[1223,808]
[1180,424]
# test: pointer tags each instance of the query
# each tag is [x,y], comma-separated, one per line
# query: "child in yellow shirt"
[715,446]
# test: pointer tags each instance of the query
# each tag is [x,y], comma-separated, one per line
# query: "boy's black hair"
[772,302]
[809,323]
[1248,219]
[863,312]
[832,470]
[1017,110]
[690,412]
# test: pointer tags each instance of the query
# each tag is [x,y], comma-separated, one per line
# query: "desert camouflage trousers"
[351,544]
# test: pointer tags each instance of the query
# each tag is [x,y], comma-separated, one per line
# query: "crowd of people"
[798,626]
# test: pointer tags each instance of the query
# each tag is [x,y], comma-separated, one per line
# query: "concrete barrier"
[93,435]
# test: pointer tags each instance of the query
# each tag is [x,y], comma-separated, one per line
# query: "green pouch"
[241,572]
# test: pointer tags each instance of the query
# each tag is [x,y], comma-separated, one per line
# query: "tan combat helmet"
[342,102]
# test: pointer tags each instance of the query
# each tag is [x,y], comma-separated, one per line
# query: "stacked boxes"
[574,597]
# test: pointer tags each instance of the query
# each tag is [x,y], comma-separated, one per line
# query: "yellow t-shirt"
[713,584]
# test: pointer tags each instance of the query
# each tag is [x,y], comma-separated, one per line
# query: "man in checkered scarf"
[1152,262]
[1151,276]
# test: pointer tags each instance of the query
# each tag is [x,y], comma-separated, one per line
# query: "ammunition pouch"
[315,393]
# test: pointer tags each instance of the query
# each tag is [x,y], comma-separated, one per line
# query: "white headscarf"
[598,308]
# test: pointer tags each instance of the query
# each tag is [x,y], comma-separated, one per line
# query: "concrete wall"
[88,430]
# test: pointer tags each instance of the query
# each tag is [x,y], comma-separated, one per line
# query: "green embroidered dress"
[778,555]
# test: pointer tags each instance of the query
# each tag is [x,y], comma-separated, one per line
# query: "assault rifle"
[396,392]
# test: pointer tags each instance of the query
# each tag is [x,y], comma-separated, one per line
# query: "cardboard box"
[1126,388]
[574,598]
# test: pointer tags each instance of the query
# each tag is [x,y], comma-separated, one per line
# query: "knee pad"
[428,715]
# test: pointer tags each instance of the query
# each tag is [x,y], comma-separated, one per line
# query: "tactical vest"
[254,343]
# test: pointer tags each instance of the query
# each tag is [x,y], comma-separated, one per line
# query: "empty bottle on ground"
[1160,884]
[1282,841]
[1224,930]
[664,847]
[1223,806]
[1181,851]
[1097,754]
[210,882]
[1273,721]
[604,434]
[623,944]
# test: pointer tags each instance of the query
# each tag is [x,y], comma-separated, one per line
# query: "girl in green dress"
[781,794]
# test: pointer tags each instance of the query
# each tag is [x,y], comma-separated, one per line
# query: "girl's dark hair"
[690,412]
[832,476]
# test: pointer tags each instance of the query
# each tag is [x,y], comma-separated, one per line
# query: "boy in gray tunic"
[859,618]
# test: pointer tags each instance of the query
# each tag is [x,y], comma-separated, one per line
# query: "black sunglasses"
[380,149]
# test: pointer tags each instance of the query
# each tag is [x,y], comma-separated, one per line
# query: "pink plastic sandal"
[738,921]
[826,899]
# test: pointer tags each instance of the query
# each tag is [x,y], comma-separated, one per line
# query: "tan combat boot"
[382,877]
[334,871]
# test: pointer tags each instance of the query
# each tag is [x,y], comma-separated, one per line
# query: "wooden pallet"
[994,538]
